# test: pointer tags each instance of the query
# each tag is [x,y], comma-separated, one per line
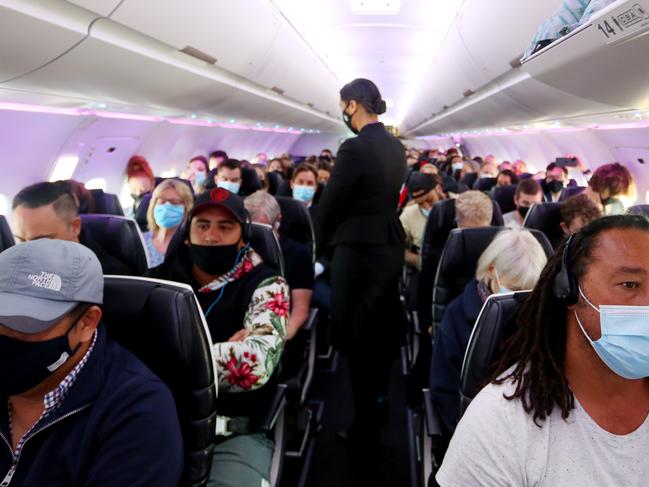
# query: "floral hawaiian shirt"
[248,364]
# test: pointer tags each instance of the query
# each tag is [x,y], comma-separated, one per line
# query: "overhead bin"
[48,27]
[117,65]
[254,41]
[101,7]
[604,60]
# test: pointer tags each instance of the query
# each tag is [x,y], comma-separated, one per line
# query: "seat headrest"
[463,248]
[6,236]
[296,220]
[250,182]
[546,217]
[469,179]
[570,191]
[638,210]
[504,196]
[275,180]
[263,241]
[495,324]
[118,236]
[162,324]
[106,203]
[485,184]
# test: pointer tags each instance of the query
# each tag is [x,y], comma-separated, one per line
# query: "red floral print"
[279,305]
[240,374]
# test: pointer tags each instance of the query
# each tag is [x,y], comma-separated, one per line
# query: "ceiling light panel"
[393,43]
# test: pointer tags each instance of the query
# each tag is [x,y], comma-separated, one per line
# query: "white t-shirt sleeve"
[485,448]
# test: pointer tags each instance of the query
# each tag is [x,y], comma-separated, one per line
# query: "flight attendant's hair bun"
[366,93]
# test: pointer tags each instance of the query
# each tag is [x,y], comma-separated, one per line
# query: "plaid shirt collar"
[54,398]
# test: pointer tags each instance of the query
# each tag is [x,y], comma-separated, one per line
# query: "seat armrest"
[433,424]
[415,323]
[311,320]
[405,363]
[275,408]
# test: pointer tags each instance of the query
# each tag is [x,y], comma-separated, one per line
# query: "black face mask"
[555,186]
[215,260]
[523,210]
[348,120]
[25,365]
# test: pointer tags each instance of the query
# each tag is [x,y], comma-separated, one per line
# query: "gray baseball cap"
[43,280]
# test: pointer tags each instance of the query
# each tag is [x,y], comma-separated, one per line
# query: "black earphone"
[564,286]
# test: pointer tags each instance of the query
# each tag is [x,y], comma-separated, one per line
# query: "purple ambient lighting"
[83,112]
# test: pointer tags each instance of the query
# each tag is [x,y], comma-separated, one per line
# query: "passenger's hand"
[239,336]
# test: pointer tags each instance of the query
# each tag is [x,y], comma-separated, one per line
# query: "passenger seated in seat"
[488,170]
[82,195]
[298,267]
[78,408]
[608,185]
[246,305]
[216,158]
[473,209]
[196,173]
[577,212]
[170,202]
[528,193]
[324,172]
[507,177]
[569,402]
[512,262]
[304,183]
[49,210]
[140,182]
[556,179]
[229,175]
[426,190]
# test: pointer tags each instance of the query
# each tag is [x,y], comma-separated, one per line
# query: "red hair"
[138,166]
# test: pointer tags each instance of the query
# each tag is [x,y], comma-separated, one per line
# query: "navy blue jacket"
[452,338]
[117,426]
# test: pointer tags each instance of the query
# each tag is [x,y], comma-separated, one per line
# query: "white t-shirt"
[497,444]
[511,220]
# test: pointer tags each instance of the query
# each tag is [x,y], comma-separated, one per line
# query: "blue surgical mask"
[457,166]
[625,338]
[303,193]
[199,178]
[501,289]
[168,215]
[231,186]
[425,212]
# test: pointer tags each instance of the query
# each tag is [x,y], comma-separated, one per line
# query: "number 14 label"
[628,20]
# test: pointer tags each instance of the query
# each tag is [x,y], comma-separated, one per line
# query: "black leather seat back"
[118,236]
[638,210]
[495,324]
[163,325]
[264,242]
[546,217]
[6,236]
[485,184]
[275,180]
[459,262]
[106,203]
[440,223]
[469,179]
[296,221]
[570,191]
[504,196]
[250,182]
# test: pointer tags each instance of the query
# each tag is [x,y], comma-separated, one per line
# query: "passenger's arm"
[248,364]
[139,442]
[412,259]
[300,303]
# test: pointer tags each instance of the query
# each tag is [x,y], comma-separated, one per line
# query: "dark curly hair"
[536,351]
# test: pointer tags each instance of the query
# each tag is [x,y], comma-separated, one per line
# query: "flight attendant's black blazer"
[359,203]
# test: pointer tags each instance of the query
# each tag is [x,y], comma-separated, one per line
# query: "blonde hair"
[517,258]
[180,188]
[473,209]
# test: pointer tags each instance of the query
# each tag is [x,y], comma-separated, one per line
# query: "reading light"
[376,7]
[64,168]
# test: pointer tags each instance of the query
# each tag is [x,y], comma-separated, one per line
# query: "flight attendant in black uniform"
[357,216]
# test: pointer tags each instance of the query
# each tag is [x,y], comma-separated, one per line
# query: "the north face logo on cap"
[46,280]
[219,194]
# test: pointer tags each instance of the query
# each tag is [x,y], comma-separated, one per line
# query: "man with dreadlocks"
[570,399]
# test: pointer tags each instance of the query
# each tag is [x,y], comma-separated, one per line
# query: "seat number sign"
[628,20]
